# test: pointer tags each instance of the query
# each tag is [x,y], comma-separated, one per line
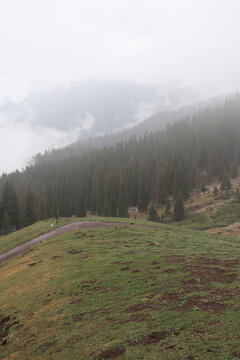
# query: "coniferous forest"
[106,181]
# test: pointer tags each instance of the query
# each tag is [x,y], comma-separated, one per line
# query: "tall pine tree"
[123,196]
[179,208]
[10,205]
[30,208]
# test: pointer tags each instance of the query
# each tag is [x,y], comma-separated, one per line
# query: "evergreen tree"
[143,195]
[167,208]
[215,191]
[65,204]
[81,208]
[6,225]
[203,188]
[30,215]
[152,215]
[160,191]
[80,204]
[106,211]
[97,198]
[42,211]
[237,194]
[179,208]
[113,194]
[163,185]
[1,214]
[106,208]
[180,184]
[226,184]
[123,197]
[56,210]
[11,205]
[234,165]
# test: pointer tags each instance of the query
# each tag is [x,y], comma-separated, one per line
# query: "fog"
[20,140]
[188,44]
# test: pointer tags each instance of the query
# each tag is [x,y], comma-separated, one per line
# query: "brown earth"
[112,353]
[150,339]
[5,324]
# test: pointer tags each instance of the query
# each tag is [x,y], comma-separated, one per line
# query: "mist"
[19,141]
[160,45]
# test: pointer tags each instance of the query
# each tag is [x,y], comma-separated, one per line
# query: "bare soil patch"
[174,259]
[112,353]
[171,297]
[218,262]
[100,289]
[140,307]
[74,252]
[45,346]
[209,274]
[150,339]
[236,354]
[137,317]
[5,324]
[154,337]
[76,301]
[169,271]
[196,303]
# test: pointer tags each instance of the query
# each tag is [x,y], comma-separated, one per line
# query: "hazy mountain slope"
[54,118]
[152,168]
[154,123]
[97,107]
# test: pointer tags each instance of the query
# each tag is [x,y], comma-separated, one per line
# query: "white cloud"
[87,123]
[19,141]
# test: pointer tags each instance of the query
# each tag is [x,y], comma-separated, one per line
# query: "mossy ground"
[123,292]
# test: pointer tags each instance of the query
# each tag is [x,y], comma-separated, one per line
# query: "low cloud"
[167,98]
[19,141]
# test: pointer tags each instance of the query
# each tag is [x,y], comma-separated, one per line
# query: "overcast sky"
[45,43]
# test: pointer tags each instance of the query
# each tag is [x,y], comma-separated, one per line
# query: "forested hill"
[154,123]
[108,180]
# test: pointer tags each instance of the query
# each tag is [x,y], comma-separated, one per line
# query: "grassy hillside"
[19,237]
[14,239]
[123,292]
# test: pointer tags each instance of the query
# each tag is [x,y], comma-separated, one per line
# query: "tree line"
[136,172]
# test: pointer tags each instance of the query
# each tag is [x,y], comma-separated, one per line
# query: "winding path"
[63,229]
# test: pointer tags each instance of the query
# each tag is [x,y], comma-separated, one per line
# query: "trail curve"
[63,229]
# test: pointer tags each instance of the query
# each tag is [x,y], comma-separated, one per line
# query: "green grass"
[227,214]
[197,221]
[21,236]
[164,293]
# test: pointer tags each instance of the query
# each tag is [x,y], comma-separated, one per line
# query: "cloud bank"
[19,140]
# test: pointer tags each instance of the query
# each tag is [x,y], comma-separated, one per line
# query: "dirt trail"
[63,229]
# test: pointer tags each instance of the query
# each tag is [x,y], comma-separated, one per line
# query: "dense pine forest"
[106,181]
